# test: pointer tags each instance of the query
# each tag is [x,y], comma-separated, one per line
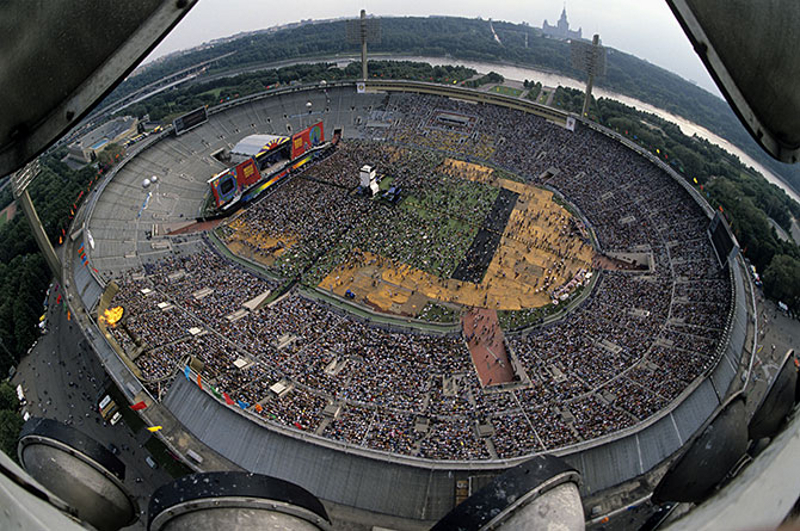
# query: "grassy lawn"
[438,313]
[386,183]
[458,198]
[430,230]
[429,240]
[507,91]
[543,98]
[514,319]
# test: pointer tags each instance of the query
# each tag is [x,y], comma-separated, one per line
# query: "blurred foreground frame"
[61,57]
[750,49]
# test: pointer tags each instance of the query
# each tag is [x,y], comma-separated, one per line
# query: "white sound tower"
[368,179]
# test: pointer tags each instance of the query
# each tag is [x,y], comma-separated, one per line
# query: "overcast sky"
[645,28]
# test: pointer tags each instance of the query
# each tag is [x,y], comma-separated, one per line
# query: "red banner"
[247,174]
[306,139]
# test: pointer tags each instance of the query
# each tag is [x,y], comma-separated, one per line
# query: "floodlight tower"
[19,188]
[363,27]
[364,30]
[591,59]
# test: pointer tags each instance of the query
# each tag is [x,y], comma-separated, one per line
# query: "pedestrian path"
[487,346]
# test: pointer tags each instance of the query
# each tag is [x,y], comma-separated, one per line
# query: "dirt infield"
[260,247]
[485,340]
[539,252]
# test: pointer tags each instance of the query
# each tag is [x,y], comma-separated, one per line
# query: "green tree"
[782,280]
[8,397]
[110,155]
[10,426]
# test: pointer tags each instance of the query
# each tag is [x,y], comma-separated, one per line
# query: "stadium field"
[520,274]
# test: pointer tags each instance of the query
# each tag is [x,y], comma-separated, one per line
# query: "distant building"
[87,147]
[561,29]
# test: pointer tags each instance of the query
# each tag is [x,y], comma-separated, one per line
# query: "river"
[550,79]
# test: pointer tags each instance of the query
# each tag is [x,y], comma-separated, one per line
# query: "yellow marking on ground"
[469,171]
[537,254]
[255,245]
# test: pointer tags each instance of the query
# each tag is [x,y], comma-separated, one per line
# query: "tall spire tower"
[561,30]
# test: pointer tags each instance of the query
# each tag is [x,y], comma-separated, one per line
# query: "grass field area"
[411,234]
[386,183]
[514,319]
[430,230]
[507,91]
[438,313]
[458,198]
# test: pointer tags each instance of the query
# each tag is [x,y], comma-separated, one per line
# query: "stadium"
[502,280]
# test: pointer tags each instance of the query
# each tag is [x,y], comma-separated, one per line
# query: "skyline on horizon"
[644,29]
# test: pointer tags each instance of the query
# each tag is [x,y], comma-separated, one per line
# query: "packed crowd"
[301,218]
[317,220]
[633,347]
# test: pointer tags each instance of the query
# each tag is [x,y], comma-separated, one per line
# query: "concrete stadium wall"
[424,489]
[331,473]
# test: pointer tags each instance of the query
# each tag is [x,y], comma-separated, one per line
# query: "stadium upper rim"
[468,95]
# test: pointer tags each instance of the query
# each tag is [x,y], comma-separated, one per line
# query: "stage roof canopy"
[255,145]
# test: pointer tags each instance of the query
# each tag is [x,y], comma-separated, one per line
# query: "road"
[777,333]
[63,380]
